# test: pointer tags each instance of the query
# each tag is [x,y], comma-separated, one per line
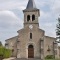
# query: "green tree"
[58,29]
[0,43]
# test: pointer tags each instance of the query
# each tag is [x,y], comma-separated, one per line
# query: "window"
[6,45]
[30,35]
[28,17]
[42,43]
[55,52]
[12,50]
[42,51]
[30,46]
[33,17]
[48,49]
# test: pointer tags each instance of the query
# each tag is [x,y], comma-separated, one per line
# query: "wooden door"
[30,51]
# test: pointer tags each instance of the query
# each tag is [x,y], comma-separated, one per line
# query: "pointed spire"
[31,5]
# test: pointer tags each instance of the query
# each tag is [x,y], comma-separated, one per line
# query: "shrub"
[6,53]
[49,57]
[1,50]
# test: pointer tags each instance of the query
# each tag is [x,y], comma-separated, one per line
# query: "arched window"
[28,17]
[33,17]
[30,35]
[30,46]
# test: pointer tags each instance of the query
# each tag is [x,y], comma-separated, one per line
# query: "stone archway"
[30,51]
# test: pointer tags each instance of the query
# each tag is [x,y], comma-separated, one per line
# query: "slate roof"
[31,5]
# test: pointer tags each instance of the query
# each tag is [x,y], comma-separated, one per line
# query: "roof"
[50,37]
[11,38]
[31,5]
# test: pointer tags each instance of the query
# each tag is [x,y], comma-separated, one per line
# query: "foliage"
[52,59]
[49,57]
[6,53]
[0,43]
[58,29]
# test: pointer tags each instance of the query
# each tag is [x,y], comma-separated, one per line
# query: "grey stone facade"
[40,42]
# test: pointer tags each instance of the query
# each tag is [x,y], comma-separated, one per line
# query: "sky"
[12,18]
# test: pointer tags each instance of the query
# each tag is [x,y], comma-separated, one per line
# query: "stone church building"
[31,41]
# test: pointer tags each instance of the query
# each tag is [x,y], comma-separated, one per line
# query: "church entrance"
[30,51]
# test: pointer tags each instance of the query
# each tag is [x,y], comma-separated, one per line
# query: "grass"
[52,59]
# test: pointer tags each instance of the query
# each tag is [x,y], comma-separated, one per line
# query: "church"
[31,41]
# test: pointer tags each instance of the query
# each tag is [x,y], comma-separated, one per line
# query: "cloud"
[9,24]
[12,4]
[11,16]
[48,22]
[9,19]
[56,6]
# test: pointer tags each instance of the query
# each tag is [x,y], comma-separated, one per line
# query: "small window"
[55,52]
[42,51]
[33,17]
[28,17]
[42,43]
[12,50]
[30,35]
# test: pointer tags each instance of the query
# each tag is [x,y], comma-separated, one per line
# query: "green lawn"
[52,59]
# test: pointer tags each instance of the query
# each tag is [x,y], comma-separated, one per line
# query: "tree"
[6,53]
[0,43]
[58,29]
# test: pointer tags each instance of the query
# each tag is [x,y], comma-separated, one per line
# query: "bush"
[1,50]
[6,53]
[49,57]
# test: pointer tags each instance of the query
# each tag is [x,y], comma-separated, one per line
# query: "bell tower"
[31,14]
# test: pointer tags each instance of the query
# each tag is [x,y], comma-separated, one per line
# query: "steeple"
[31,5]
[31,14]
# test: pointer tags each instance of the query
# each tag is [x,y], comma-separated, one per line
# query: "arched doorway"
[30,51]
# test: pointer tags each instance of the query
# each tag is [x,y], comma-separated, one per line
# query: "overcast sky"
[11,16]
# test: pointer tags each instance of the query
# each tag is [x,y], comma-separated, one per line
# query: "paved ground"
[11,58]
[26,59]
